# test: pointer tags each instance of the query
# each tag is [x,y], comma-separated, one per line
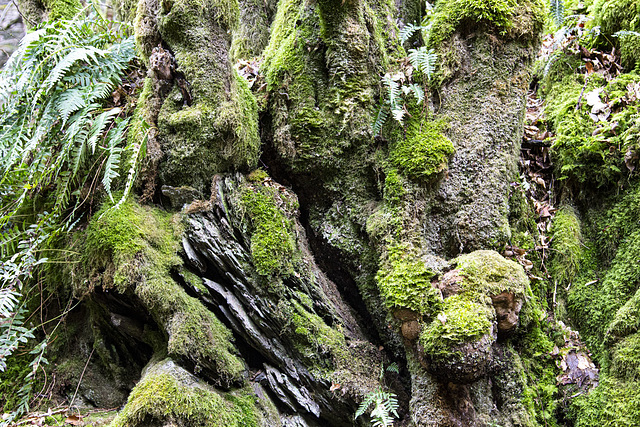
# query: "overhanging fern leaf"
[423,61]
[556,8]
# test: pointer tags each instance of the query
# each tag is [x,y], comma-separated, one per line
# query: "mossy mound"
[133,250]
[169,394]
[457,342]
[508,18]
[423,154]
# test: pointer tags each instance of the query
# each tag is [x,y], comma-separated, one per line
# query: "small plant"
[385,404]
[399,85]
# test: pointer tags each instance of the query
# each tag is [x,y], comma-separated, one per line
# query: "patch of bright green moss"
[405,282]
[273,245]
[139,245]
[613,403]
[424,153]
[567,246]
[160,397]
[489,273]
[507,17]
[62,9]
[464,320]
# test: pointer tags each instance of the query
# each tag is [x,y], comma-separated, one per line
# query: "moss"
[614,403]
[567,246]
[215,128]
[465,321]
[62,9]
[424,153]
[507,17]
[404,281]
[273,246]
[629,50]
[616,15]
[160,397]
[218,133]
[488,273]
[139,245]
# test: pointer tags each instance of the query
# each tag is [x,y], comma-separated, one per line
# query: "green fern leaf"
[556,8]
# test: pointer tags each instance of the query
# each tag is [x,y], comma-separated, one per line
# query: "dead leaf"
[74,420]
[334,386]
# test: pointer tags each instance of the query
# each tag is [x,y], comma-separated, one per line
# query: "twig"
[80,380]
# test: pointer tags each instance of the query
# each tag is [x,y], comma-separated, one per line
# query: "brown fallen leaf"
[74,420]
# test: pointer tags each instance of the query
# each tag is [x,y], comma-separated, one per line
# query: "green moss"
[160,397]
[614,403]
[629,50]
[424,153]
[62,9]
[567,246]
[507,17]
[464,321]
[134,248]
[273,246]
[216,128]
[405,282]
[488,273]
[217,133]
[616,15]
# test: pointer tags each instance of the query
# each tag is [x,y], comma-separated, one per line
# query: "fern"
[556,8]
[385,404]
[423,61]
[54,126]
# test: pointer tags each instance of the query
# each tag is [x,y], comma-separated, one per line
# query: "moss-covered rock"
[132,249]
[508,18]
[169,394]
[458,342]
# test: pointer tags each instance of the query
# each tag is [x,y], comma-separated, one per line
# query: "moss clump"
[161,397]
[567,245]
[273,245]
[62,9]
[614,403]
[616,15]
[509,18]
[464,321]
[405,282]
[488,273]
[134,248]
[424,153]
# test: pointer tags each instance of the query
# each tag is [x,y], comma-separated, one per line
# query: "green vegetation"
[424,153]
[405,282]
[508,18]
[133,242]
[273,244]
[465,321]
[164,396]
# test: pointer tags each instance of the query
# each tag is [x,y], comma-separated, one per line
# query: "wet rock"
[180,196]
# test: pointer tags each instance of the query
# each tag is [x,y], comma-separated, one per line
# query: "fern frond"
[407,31]
[423,60]
[381,118]
[556,8]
